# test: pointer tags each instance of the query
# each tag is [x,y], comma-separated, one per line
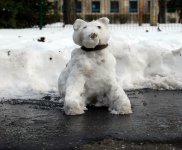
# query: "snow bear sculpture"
[90,77]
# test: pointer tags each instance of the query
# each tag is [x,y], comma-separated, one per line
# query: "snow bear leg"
[118,100]
[74,103]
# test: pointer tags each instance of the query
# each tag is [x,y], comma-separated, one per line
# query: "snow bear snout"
[93,35]
[90,40]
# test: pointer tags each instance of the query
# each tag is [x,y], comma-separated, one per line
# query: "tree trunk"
[178,4]
[140,13]
[162,11]
[154,12]
[69,11]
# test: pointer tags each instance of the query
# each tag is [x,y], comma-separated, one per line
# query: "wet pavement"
[156,122]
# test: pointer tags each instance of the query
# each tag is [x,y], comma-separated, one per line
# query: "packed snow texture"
[92,73]
[30,68]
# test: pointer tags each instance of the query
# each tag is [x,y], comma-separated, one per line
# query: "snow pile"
[144,65]
[30,68]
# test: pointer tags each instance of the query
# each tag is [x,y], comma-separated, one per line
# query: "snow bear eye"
[84,27]
[99,27]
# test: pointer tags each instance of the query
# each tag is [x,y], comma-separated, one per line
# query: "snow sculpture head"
[91,34]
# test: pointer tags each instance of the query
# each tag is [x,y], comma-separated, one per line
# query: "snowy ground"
[30,69]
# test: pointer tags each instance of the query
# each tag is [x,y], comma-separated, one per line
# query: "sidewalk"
[156,118]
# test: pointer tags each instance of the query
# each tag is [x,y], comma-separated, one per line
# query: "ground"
[41,124]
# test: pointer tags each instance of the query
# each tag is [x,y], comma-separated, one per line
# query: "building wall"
[123,16]
[105,6]
[124,6]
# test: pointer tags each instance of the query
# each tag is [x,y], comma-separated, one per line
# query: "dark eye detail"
[84,27]
[99,27]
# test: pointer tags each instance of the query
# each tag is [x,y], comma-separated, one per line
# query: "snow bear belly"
[98,78]
[97,69]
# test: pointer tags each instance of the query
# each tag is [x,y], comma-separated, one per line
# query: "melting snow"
[30,68]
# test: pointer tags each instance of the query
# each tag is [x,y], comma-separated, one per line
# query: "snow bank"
[145,64]
[30,69]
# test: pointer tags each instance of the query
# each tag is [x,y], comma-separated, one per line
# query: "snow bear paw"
[74,109]
[124,109]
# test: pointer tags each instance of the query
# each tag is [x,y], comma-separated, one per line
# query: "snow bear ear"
[78,23]
[104,20]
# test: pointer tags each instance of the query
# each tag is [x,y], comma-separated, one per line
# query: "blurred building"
[119,11]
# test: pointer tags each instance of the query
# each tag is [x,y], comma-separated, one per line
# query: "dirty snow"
[30,69]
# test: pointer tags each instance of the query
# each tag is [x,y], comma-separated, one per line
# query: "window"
[96,6]
[114,6]
[133,6]
[79,6]
[171,7]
